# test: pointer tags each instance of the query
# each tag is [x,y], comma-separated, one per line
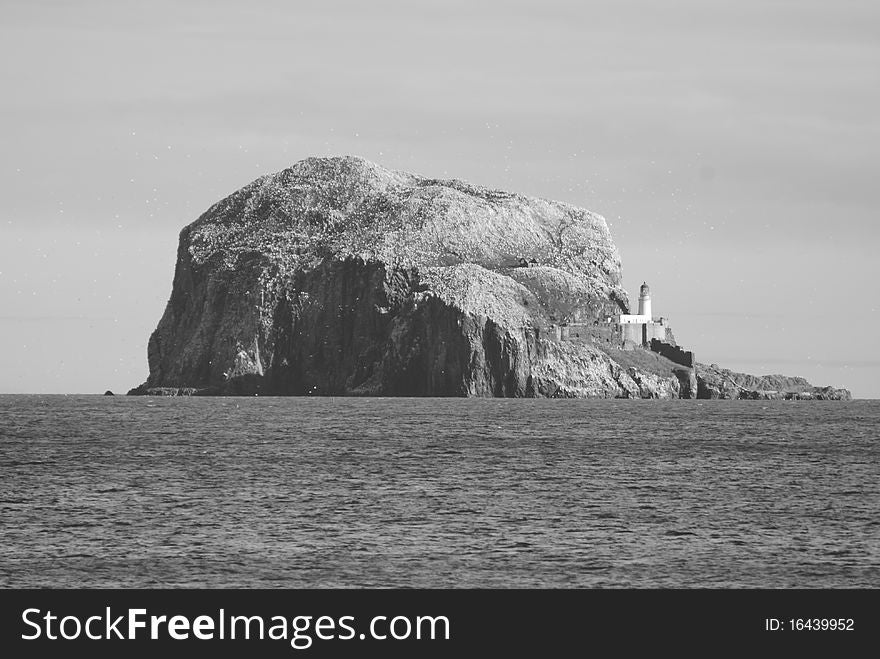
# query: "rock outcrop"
[339,277]
[716,382]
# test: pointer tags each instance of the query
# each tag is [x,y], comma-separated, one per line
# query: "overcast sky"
[731,146]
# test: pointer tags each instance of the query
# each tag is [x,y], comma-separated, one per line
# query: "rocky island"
[339,277]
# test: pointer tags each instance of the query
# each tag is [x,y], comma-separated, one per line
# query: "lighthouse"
[645,301]
[638,330]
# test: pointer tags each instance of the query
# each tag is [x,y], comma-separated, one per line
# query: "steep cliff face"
[337,276]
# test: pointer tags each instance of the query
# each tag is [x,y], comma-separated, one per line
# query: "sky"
[732,147]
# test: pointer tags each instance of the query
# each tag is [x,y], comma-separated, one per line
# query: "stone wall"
[655,331]
[626,336]
[673,353]
[633,334]
[588,332]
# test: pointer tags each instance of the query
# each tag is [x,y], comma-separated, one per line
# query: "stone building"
[639,329]
[629,332]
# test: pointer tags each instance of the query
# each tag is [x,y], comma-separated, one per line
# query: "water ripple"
[303,492]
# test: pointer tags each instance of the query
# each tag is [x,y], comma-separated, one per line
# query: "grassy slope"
[643,360]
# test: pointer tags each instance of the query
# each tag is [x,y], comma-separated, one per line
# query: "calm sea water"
[324,492]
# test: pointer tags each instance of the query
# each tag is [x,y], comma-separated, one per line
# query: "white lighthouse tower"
[645,301]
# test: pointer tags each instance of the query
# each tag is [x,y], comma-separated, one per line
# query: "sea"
[135,492]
